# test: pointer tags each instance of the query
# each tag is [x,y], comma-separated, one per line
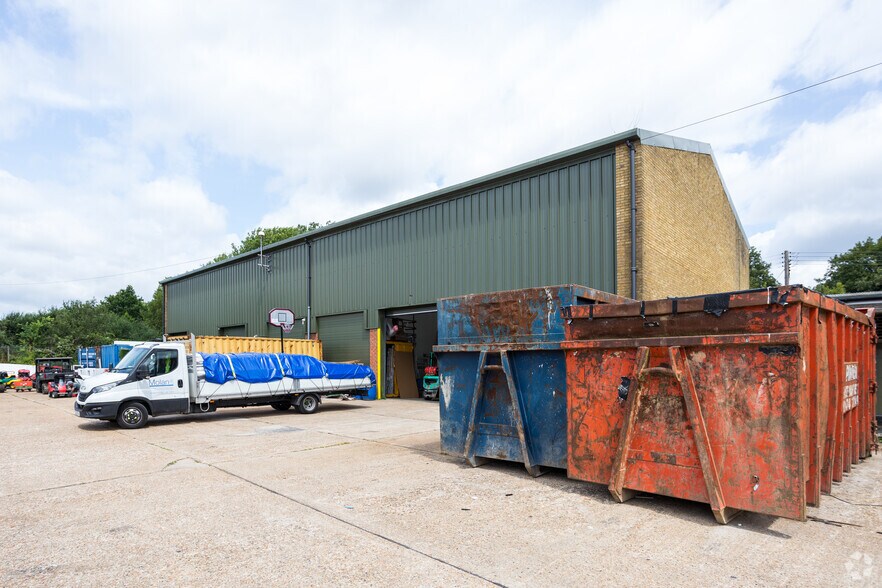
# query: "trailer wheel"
[281,405]
[308,404]
[41,387]
[132,415]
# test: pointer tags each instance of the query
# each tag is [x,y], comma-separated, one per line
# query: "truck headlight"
[103,388]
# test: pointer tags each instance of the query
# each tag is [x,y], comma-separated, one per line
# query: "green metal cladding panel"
[240,294]
[344,337]
[549,226]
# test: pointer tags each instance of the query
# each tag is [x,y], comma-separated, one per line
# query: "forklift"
[431,379]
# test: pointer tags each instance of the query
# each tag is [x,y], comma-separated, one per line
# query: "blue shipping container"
[503,374]
[87,357]
[111,354]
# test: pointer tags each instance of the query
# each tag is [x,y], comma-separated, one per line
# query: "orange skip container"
[755,400]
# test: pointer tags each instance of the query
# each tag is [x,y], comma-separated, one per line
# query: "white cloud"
[66,234]
[354,106]
[819,189]
[362,102]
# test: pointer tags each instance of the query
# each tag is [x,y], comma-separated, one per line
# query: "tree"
[12,325]
[81,324]
[153,311]
[58,332]
[760,271]
[37,337]
[271,235]
[125,303]
[857,270]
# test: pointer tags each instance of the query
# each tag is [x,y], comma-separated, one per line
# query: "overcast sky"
[139,135]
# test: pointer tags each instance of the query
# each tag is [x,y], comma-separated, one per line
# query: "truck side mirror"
[141,372]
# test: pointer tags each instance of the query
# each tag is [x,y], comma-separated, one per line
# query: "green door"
[344,337]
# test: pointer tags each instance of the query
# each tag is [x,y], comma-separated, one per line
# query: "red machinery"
[24,381]
[62,388]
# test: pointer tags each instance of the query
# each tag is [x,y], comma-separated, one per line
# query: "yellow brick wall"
[688,240]
[623,215]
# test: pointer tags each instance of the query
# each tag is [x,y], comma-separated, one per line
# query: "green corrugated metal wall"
[344,337]
[549,226]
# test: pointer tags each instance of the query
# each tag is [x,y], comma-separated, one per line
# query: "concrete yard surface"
[359,493]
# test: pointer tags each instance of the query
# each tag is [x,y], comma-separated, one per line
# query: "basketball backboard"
[282,317]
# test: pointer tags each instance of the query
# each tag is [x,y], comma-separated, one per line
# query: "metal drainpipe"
[308,288]
[631,151]
[164,312]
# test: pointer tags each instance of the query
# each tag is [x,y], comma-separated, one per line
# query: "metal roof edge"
[859,296]
[672,142]
[645,136]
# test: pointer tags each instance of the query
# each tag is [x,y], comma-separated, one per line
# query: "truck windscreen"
[132,359]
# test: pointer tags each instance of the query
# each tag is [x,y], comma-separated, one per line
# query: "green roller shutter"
[344,337]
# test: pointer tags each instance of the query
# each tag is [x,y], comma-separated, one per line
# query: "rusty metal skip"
[754,400]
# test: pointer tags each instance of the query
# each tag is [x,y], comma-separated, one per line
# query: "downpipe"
[308,289]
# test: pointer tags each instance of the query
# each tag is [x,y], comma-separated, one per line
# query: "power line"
[149,269]
[767,100]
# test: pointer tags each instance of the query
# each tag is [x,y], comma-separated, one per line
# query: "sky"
[140,139]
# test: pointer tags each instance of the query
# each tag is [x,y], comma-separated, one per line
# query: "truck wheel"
[41,387]
[308,404]
[281,405]
[132,415]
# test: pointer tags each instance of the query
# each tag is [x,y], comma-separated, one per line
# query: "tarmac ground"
[360,493]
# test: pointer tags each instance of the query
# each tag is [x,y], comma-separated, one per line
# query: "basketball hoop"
[282,317]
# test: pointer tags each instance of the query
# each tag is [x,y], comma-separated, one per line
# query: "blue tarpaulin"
[348,371]
[301,366]
[268,367]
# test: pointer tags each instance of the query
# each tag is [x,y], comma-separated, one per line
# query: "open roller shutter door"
[344,337]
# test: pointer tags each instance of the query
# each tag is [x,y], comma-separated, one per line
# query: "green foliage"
[857,270]
[760,271]
[60,331]
[838,288]
[153,310]
[271,235]
[38,336]
[125,303]
[12,325]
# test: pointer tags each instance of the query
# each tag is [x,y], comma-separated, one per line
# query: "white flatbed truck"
[156,379]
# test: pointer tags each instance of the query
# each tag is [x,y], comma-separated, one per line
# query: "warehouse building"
[639,214]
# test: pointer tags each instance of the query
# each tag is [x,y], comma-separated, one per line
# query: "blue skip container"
[503,374]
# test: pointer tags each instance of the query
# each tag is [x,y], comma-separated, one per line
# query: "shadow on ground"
[220,416]
[693,512]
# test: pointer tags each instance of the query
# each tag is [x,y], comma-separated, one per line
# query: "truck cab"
[152,379]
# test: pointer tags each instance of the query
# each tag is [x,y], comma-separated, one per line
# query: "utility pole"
[786,268]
